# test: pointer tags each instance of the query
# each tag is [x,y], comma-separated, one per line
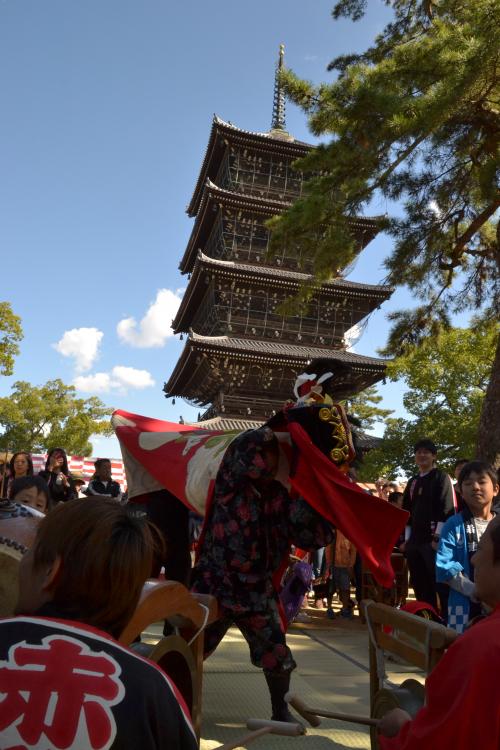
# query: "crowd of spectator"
[447,518]
[54,484]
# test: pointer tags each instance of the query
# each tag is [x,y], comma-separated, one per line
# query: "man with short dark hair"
[102,484]
[65,682]
[429,498]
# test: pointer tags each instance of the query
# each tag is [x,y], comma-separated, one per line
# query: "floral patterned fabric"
[249,529]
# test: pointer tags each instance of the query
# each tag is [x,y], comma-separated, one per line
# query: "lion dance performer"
[261,491]
[250,525]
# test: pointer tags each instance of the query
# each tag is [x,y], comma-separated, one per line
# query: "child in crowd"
[459,540]
[31,491]
[344,556]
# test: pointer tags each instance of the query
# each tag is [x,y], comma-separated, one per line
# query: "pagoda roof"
[194,379]
[222,133]
[227,423]
[216,196]
[267,275]
[277,350]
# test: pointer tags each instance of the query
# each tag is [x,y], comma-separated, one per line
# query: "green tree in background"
[38,418]
[414,119]
[11,333]
[447,380]
[365,407]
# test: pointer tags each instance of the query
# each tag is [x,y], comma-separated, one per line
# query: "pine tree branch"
[474,226]
[401,158]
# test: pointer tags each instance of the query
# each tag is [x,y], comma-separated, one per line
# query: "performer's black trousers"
[172,518]
[422,566]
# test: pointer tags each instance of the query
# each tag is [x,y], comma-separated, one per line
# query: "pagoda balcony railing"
[256,319]
[217,320]
[259,176]
[246,240]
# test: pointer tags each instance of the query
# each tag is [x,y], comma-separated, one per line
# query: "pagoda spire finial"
[278,122]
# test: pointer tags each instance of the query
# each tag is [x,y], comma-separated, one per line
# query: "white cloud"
[352,336]
[130,377]
[98,383]
[82,344]
[119,380]
[154,329]
[434,208]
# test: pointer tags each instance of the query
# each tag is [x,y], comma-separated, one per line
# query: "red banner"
[185,460]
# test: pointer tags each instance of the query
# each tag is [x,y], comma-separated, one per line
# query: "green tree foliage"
[38,418]
[416,119]
[11,333]
[447,382]
[365,407]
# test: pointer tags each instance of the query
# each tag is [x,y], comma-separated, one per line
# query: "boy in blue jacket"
[460,536]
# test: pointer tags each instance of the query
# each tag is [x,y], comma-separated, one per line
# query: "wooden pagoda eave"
[224,133]
[206,268]
[215,198]
[185,381]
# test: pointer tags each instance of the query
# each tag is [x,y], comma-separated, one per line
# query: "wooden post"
[4,472]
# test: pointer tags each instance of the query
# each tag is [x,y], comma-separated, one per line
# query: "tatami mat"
[231,697]
[332,673]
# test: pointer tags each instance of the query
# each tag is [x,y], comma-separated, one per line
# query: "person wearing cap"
[429,498]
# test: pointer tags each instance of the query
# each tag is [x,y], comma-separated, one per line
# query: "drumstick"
[311,714]
[261,727]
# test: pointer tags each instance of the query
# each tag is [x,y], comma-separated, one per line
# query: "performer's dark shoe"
[279,684]
[285,716]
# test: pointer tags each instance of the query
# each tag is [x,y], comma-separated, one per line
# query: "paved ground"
[332,672]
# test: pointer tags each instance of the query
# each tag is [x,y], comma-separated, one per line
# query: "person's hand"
[390,725]
[64,479]
[56,462]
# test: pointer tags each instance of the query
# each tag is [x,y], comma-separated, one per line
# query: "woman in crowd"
[20,465]
[56,474]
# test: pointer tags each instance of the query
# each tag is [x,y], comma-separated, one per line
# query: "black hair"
[26,483]
[460,461]
[29,460]
[64,468]
[477,467]
[426,444]
[100,461]
[394,497]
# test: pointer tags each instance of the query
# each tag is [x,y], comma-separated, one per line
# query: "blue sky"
[106,112]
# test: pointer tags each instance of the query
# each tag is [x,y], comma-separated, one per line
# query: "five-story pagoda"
[242,355]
